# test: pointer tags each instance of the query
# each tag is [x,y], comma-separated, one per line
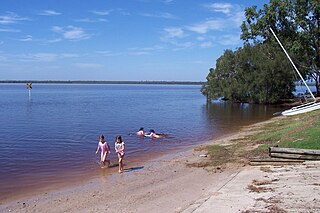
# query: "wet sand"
[168,184]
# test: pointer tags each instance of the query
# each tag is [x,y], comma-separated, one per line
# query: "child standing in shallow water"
[105,149]
[119,147]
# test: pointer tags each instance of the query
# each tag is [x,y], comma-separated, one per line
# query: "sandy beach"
[170,184]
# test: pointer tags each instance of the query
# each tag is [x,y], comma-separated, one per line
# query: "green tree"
[250,74]
[297,24]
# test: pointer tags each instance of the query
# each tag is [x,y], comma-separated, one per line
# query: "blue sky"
[174,40]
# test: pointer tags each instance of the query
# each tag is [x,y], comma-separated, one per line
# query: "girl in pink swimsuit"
[119,147]
[152,134]
[140,132]
[105,150]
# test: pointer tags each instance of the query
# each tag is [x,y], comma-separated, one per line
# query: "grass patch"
[299,131]
[217,154]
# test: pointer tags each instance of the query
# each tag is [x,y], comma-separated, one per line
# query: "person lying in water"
[140,132]
[152,134]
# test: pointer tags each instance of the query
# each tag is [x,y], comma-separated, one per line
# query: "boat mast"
[292,64]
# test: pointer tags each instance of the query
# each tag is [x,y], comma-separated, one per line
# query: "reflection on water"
[223,117]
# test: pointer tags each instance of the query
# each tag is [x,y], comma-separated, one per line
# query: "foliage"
[250,74]
[259,72]
[296,23]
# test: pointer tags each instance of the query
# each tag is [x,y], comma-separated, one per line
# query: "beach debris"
[258,189]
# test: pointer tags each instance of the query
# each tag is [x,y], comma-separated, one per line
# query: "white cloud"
[228,23]
[87,65]
[184,44]
[102,13]
[45,57]
[230,39]
[54,40]
[88,20]
[2,58]
[26,38]
[225,8]
[154,48]
[174,32]
[132,51]
[71,32]
[206,26]
[234,12]
[164,15]
[75,34]
[234,17]
[69,55]
[7,30]
[238,18]
[206,44]
[108,12]
[201,38]
[181,45]
[107,53]
[49,13]
[11,18]
[124,13]
[38,57]
[57,29]
[139,53]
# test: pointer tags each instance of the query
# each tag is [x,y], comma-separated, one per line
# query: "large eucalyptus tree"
[297,24]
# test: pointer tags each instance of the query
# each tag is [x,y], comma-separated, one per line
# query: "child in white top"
[119,147]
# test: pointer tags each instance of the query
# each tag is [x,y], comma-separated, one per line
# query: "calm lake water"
[51,136]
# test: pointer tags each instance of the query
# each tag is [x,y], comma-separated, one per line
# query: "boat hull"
[301,109]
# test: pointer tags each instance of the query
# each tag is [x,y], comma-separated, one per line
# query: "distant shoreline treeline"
[101,82]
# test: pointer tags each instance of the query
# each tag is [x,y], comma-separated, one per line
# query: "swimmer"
[140,132]
[152,134]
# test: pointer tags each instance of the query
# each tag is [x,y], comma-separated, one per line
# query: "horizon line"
[102,82]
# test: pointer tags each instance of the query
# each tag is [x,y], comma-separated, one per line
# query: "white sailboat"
[304,107]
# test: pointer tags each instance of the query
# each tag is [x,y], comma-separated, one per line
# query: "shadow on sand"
[133,169]
[125,170]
